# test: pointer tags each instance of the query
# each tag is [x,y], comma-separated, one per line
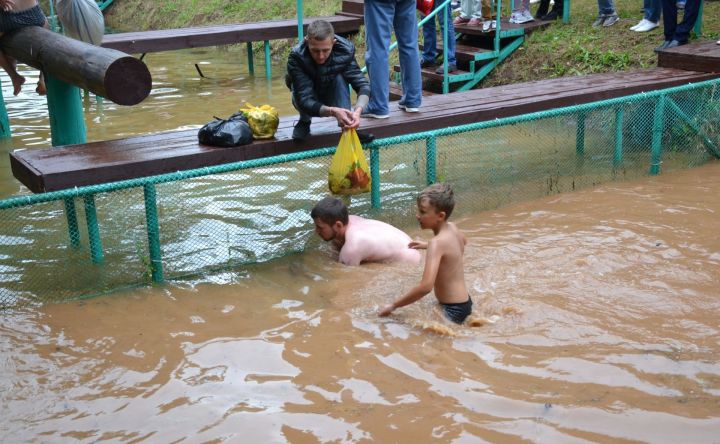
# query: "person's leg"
[405,26]
[378,19]
[653,8]
[340,95]
[429,52]
[669,12]
[682,31]
[302,127]
[543,7]
[606,7]
[450,36]
[8,64]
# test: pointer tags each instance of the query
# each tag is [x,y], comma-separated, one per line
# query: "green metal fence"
[202,221]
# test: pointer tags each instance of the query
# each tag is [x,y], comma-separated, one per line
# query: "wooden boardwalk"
[172,39]
[101,162]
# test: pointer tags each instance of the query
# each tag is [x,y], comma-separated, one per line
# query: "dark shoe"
[599,21]
[674,44]
[365,137]
[427,64]
[552,15]
[301,130]
[663,46]
[611,20]
[451,69]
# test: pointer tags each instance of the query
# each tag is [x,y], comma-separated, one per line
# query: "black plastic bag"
[233,131]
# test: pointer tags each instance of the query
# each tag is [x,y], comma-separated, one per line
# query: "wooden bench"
[64,167]
[172,39]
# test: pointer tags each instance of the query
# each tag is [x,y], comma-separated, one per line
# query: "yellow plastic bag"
[349,172]
[263,120]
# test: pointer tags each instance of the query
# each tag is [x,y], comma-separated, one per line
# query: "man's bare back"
[368,240]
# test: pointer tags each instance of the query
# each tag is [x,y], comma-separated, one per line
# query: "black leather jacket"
[309,81]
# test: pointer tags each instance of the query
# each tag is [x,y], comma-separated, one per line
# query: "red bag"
[425,6]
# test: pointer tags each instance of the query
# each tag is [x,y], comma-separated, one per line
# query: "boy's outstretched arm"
[432,263]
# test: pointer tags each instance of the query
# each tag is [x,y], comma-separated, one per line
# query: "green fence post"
[698,22]
[657,132]
[251,65]
[375,177]
[93,230]
[71,216]
[566,11]
[300,20]
[153,231]
[268,67]
[4,120]
[430,159]
[580,134]
[67,127]
[619,117]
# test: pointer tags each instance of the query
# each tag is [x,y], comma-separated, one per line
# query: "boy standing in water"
[16,14]
[444,260]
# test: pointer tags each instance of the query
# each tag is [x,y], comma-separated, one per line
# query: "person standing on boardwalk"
[677,34]
[16,14]
[607,14]
[319,70]
[429,52]
[380,17]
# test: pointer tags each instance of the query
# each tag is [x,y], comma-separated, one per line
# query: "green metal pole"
[496,40]
[268,67]
[4,120]
[67,122]
[67,127]
[446,80]
[430,160]
[711,146]
[71,215]
[580,134]
[698,22]
[657,131]
[93,231]
[153,230]
[375,177]
[619,117]
[251,65]
[566,11]
[300,20]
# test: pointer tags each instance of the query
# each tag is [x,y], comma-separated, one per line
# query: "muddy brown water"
[601,325]
[599,311]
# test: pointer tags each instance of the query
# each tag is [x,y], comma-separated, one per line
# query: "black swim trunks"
[459,311]
[10,21]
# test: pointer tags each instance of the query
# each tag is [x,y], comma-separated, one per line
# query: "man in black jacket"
[319,71]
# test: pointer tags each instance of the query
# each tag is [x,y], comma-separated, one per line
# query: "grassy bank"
[560,50]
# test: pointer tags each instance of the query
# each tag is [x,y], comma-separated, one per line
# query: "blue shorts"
[10,21]
[459,311]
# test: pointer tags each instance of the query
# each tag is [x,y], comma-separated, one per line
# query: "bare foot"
[17,81]
[41,88]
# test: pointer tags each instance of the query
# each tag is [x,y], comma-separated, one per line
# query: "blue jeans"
[380,16]
[430,36]
[337,96]
[653,8]
[673,30]
[606,7]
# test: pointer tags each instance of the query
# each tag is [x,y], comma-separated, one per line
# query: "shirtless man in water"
[16,14]
[359,239]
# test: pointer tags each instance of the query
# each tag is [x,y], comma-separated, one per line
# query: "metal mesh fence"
[221,217]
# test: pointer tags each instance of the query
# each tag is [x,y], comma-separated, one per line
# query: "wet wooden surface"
[701,56]
[172,39]
[101,162]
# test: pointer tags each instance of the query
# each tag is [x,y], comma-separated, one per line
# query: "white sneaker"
[487,24]
[408,109]
[647,26]
[640,23]
[527,17]
[516,17]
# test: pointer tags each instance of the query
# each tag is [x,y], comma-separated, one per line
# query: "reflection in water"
[602,309]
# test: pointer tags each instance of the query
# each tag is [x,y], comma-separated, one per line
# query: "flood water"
[601,325]
[599,313]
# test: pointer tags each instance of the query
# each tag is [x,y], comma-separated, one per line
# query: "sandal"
[475,22]
[460,20]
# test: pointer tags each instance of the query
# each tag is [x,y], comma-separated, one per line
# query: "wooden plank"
[701,56]
[172,39]
[101,162]
[505,25]
[354,7]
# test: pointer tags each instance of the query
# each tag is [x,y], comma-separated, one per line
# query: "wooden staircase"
[476,56]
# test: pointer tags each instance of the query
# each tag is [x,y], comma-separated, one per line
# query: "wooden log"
[106,72]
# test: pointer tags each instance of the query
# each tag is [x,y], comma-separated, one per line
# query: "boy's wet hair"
[330,210]
[439,196]
[320,30]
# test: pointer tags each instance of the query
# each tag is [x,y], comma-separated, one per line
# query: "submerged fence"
[198,222]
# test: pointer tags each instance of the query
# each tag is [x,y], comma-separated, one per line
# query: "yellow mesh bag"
[263,120]
[349,172]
